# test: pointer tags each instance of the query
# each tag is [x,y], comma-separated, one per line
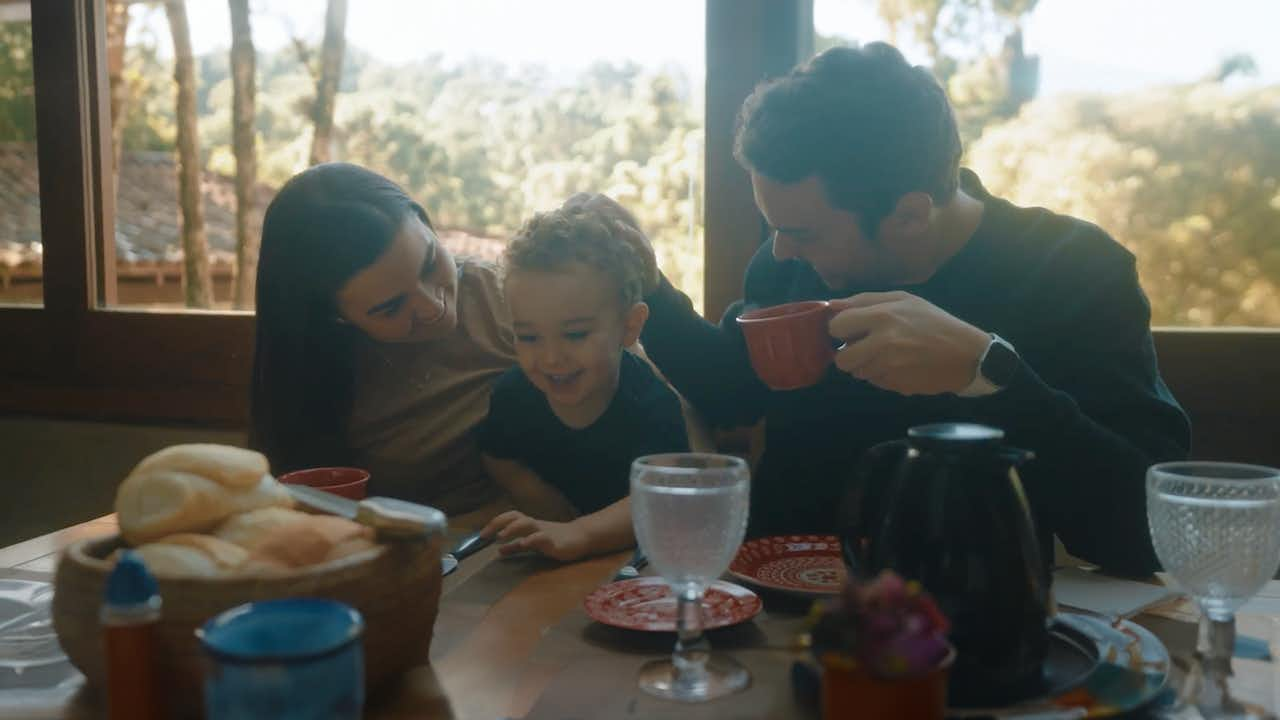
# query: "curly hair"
[868,124]
[553,240]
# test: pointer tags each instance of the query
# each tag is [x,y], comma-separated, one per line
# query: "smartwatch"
[996,370]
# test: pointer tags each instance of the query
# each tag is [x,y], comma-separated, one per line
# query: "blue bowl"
[293,659]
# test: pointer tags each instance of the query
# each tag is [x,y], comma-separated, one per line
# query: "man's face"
[807,227]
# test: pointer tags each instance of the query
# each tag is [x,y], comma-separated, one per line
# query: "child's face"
[570,333]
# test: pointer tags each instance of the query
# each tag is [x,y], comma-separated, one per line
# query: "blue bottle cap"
[130,583]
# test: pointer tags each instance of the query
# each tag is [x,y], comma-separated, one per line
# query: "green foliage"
[17,83]
[482,145]
[1187,177]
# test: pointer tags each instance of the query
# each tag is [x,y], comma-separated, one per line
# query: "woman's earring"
[340,320]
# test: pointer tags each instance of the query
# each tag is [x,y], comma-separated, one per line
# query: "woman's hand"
[625,225]
[563,541]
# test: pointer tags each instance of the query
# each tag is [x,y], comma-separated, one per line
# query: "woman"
[374,348]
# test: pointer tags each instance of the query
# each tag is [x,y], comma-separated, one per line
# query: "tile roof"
[147,218]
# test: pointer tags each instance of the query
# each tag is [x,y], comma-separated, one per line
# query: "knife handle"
[397,518]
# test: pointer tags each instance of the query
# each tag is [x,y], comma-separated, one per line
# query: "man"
[953,305]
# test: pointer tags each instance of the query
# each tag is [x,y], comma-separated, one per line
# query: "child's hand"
[564,541]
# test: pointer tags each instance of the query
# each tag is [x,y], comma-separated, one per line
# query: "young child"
[566,423]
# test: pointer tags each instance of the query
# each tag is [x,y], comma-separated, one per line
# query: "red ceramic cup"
[350,483]
[790,345]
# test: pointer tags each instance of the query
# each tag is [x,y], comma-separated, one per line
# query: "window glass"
[485,112]
[21,252]
[1159,122]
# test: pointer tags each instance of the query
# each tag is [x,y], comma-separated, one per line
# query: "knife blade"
[470,544]
[388,516]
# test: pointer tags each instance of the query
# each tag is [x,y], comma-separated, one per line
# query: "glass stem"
[690,656]
[1214,648]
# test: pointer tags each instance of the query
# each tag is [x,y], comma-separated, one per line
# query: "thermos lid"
[955,436]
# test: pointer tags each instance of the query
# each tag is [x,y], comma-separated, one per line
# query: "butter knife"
[633,567]
[389,517]
[468,545]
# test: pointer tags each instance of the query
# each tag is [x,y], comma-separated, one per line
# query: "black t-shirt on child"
[591,465]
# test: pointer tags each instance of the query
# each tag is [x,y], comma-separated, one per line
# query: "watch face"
[1001,364]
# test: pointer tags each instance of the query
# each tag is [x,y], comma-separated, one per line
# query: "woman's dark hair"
[325,225]
[864,121]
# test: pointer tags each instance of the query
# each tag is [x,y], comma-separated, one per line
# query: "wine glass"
[1216,530]
[690,513]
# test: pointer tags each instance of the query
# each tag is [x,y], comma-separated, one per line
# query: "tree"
[195,247]
[331,52]
[243,100]
[1187,177]
[986,81]
[117,31]
[17,83]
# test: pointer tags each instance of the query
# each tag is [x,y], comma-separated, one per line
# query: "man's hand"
[624,224]
[564,541]
[905,344]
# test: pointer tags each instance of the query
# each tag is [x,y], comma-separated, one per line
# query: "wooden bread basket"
[395,586]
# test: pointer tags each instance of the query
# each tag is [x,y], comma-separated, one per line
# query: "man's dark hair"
[869,125]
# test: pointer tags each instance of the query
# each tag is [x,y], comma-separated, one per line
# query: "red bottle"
[130,615]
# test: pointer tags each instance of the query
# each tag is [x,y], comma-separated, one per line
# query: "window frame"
[77,358]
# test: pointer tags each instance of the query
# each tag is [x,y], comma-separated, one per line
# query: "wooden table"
[505,656]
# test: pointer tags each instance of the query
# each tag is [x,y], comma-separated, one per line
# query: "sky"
[1114,45]
[1084,45]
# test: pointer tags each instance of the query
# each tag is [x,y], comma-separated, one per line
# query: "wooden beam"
[61,67]
[1228,381]
[747,41]
[101,156]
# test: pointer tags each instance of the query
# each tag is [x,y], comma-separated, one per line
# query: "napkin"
[1079,589]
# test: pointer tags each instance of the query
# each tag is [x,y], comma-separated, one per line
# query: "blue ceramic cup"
[292,659]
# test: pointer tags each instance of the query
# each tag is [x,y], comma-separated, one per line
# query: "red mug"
[351,483]
[790,345]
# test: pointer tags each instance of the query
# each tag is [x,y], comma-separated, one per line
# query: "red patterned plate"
[804,564]
[646,603]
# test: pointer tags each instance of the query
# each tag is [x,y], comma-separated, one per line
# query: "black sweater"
[1089,399]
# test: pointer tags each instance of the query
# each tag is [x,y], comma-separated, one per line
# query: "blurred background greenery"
[1183,172]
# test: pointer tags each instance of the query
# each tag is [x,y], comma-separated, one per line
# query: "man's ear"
[633,323]
[910,217]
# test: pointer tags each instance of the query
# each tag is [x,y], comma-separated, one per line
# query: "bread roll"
[246,529]
[164,560]
[225,555]
[233,467]
[346,548]
[156,503]
[310,541]
[268,492]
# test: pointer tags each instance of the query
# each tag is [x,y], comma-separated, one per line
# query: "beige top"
[416,404]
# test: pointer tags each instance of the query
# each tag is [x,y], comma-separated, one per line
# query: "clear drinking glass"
[690,513]
[1216,530]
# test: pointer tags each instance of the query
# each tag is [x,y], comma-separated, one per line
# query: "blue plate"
[1095,670]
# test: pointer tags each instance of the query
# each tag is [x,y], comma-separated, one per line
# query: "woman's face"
[409,294]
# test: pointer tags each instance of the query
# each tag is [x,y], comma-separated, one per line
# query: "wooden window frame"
[75,357]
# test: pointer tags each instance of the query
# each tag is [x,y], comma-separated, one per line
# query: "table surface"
[512,641]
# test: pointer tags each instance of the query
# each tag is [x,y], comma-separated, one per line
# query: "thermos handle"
[862,500]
